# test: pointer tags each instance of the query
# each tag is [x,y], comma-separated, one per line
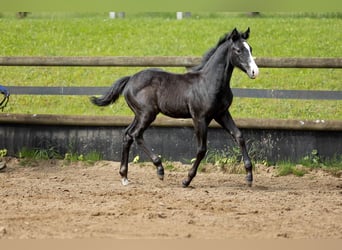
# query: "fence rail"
[161,61]
[238,92]
[169,61]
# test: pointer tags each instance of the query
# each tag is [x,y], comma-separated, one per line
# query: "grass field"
[155,34]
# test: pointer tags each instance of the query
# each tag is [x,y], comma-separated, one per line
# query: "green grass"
[230,161]
[3,153]
[160,34]
[90,157]
[310,162]
[29,156]
[39,154]
[287,168]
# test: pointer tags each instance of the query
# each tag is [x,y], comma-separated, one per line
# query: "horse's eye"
[238,51]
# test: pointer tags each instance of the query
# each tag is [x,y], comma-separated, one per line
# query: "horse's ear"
[235,35]
[246,34]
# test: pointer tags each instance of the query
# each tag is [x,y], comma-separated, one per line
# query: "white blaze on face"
[252,70]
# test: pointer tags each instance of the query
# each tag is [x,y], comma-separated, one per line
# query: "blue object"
[5,99]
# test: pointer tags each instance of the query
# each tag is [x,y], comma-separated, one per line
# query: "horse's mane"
[211,51]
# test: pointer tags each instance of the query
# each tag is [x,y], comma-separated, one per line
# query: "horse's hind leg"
[126,145]
[227,122]
[142,125]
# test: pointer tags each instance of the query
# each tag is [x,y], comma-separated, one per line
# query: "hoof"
[124,181]
[185,183]
[160,173]
[249,179]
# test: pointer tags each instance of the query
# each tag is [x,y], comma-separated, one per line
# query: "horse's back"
[156,89]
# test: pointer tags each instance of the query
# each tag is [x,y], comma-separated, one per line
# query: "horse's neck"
[218,67]
[228,74]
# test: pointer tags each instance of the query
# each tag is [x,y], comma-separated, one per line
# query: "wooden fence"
[163,61]
[170,61]
[276,139]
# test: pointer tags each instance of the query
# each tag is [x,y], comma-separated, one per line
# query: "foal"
[203,94]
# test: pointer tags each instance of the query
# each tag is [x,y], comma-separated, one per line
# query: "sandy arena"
[54,200]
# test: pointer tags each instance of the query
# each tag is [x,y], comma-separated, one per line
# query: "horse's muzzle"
[253,72]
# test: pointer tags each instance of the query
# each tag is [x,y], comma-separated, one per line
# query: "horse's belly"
[178,111]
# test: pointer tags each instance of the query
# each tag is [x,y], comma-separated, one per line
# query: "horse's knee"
[127,139]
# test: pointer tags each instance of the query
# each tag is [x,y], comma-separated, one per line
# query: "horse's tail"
[112,94]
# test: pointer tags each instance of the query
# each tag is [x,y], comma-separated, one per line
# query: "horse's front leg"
[154,158]
[227,122]
[201,129]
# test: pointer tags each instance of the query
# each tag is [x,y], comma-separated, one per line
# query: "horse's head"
[241,53]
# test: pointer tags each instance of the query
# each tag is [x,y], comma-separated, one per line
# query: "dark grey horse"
[202,94]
